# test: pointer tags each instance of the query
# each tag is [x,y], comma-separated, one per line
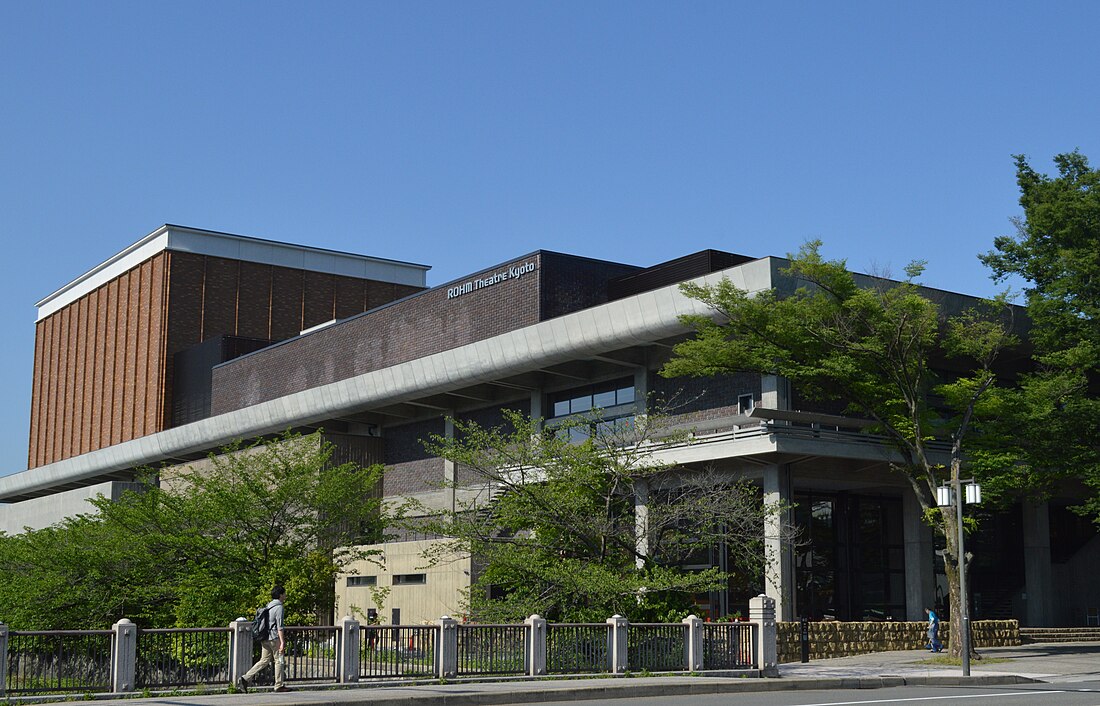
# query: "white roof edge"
[240,247]
[618,324]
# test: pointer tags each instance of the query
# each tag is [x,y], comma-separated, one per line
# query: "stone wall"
[833,639]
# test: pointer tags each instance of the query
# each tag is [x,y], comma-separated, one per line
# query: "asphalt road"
[1075,694]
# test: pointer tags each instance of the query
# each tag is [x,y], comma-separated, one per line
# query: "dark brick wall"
[571,283]
[489,418]
[696,400]
[412,328]
[409,468]
[418,326]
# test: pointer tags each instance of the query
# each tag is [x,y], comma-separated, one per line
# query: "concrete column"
[693,644]
[536,646]
[616,652]
[762,616]
[779,571]
[446,657]
[124,663]
[536,405]
[641,392]
[920,578]
[774,392]
[641,521]
[240,648]
[1037,569]
[347,660]
[3,659]
[449,465]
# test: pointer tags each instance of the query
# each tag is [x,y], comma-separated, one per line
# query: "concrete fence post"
[762,616]
[347,650]
[240,648]
[124,659]
[693,644]
[617,642]
[447,654]
[3,659]
[535,656]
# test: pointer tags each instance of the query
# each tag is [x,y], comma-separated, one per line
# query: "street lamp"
[944,496]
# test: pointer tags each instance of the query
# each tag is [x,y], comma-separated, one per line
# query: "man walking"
[933,631]
[272,644]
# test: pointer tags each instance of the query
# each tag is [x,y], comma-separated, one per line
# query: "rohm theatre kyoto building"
[190,339]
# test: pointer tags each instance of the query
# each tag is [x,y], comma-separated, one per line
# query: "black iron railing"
[655,647]
[182,657]
[728,646]
[577,648]
[397,651]
[491,649]
[311,653]
[75,661]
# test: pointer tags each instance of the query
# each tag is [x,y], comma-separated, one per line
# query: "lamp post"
[946,496]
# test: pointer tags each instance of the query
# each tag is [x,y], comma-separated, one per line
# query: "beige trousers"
[269,652]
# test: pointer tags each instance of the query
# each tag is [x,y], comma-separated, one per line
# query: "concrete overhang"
[642,319]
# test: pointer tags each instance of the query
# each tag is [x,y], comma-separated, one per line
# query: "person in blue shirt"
[933,631]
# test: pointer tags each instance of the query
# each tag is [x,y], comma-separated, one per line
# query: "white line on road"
[933,698]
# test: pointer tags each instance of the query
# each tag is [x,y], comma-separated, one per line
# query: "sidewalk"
[1041,662]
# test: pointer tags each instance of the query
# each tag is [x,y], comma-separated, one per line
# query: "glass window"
[580,404]
[362,580]
[580,400]
[603,400]
[409,579]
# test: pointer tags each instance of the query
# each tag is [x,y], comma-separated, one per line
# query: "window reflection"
[852,566]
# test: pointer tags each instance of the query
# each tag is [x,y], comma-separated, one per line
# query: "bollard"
[616,649]
[804,637]
[762,614]
[3,659]
[240,648]
[535,654]
[124,664]
[447,654]
[693,644]
[348,645]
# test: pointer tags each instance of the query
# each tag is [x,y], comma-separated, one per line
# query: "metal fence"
[397,651]
[76,661]
[310,653]
[728,646]
[577,648]
[83,661]
[491,649]
[655,647]
[182,657]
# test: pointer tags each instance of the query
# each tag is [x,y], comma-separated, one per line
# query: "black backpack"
[261,624]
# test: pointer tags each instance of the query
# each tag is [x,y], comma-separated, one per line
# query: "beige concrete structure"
[406,591]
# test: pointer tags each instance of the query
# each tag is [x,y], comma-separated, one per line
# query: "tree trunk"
[954,587]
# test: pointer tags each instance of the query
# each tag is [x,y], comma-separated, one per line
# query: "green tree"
[873,346]
[556,532]
[1056,250]
[200,545]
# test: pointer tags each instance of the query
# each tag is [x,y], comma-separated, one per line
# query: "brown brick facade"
[102,370]
[98,376]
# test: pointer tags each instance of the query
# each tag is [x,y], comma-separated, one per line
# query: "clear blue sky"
[460,134]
